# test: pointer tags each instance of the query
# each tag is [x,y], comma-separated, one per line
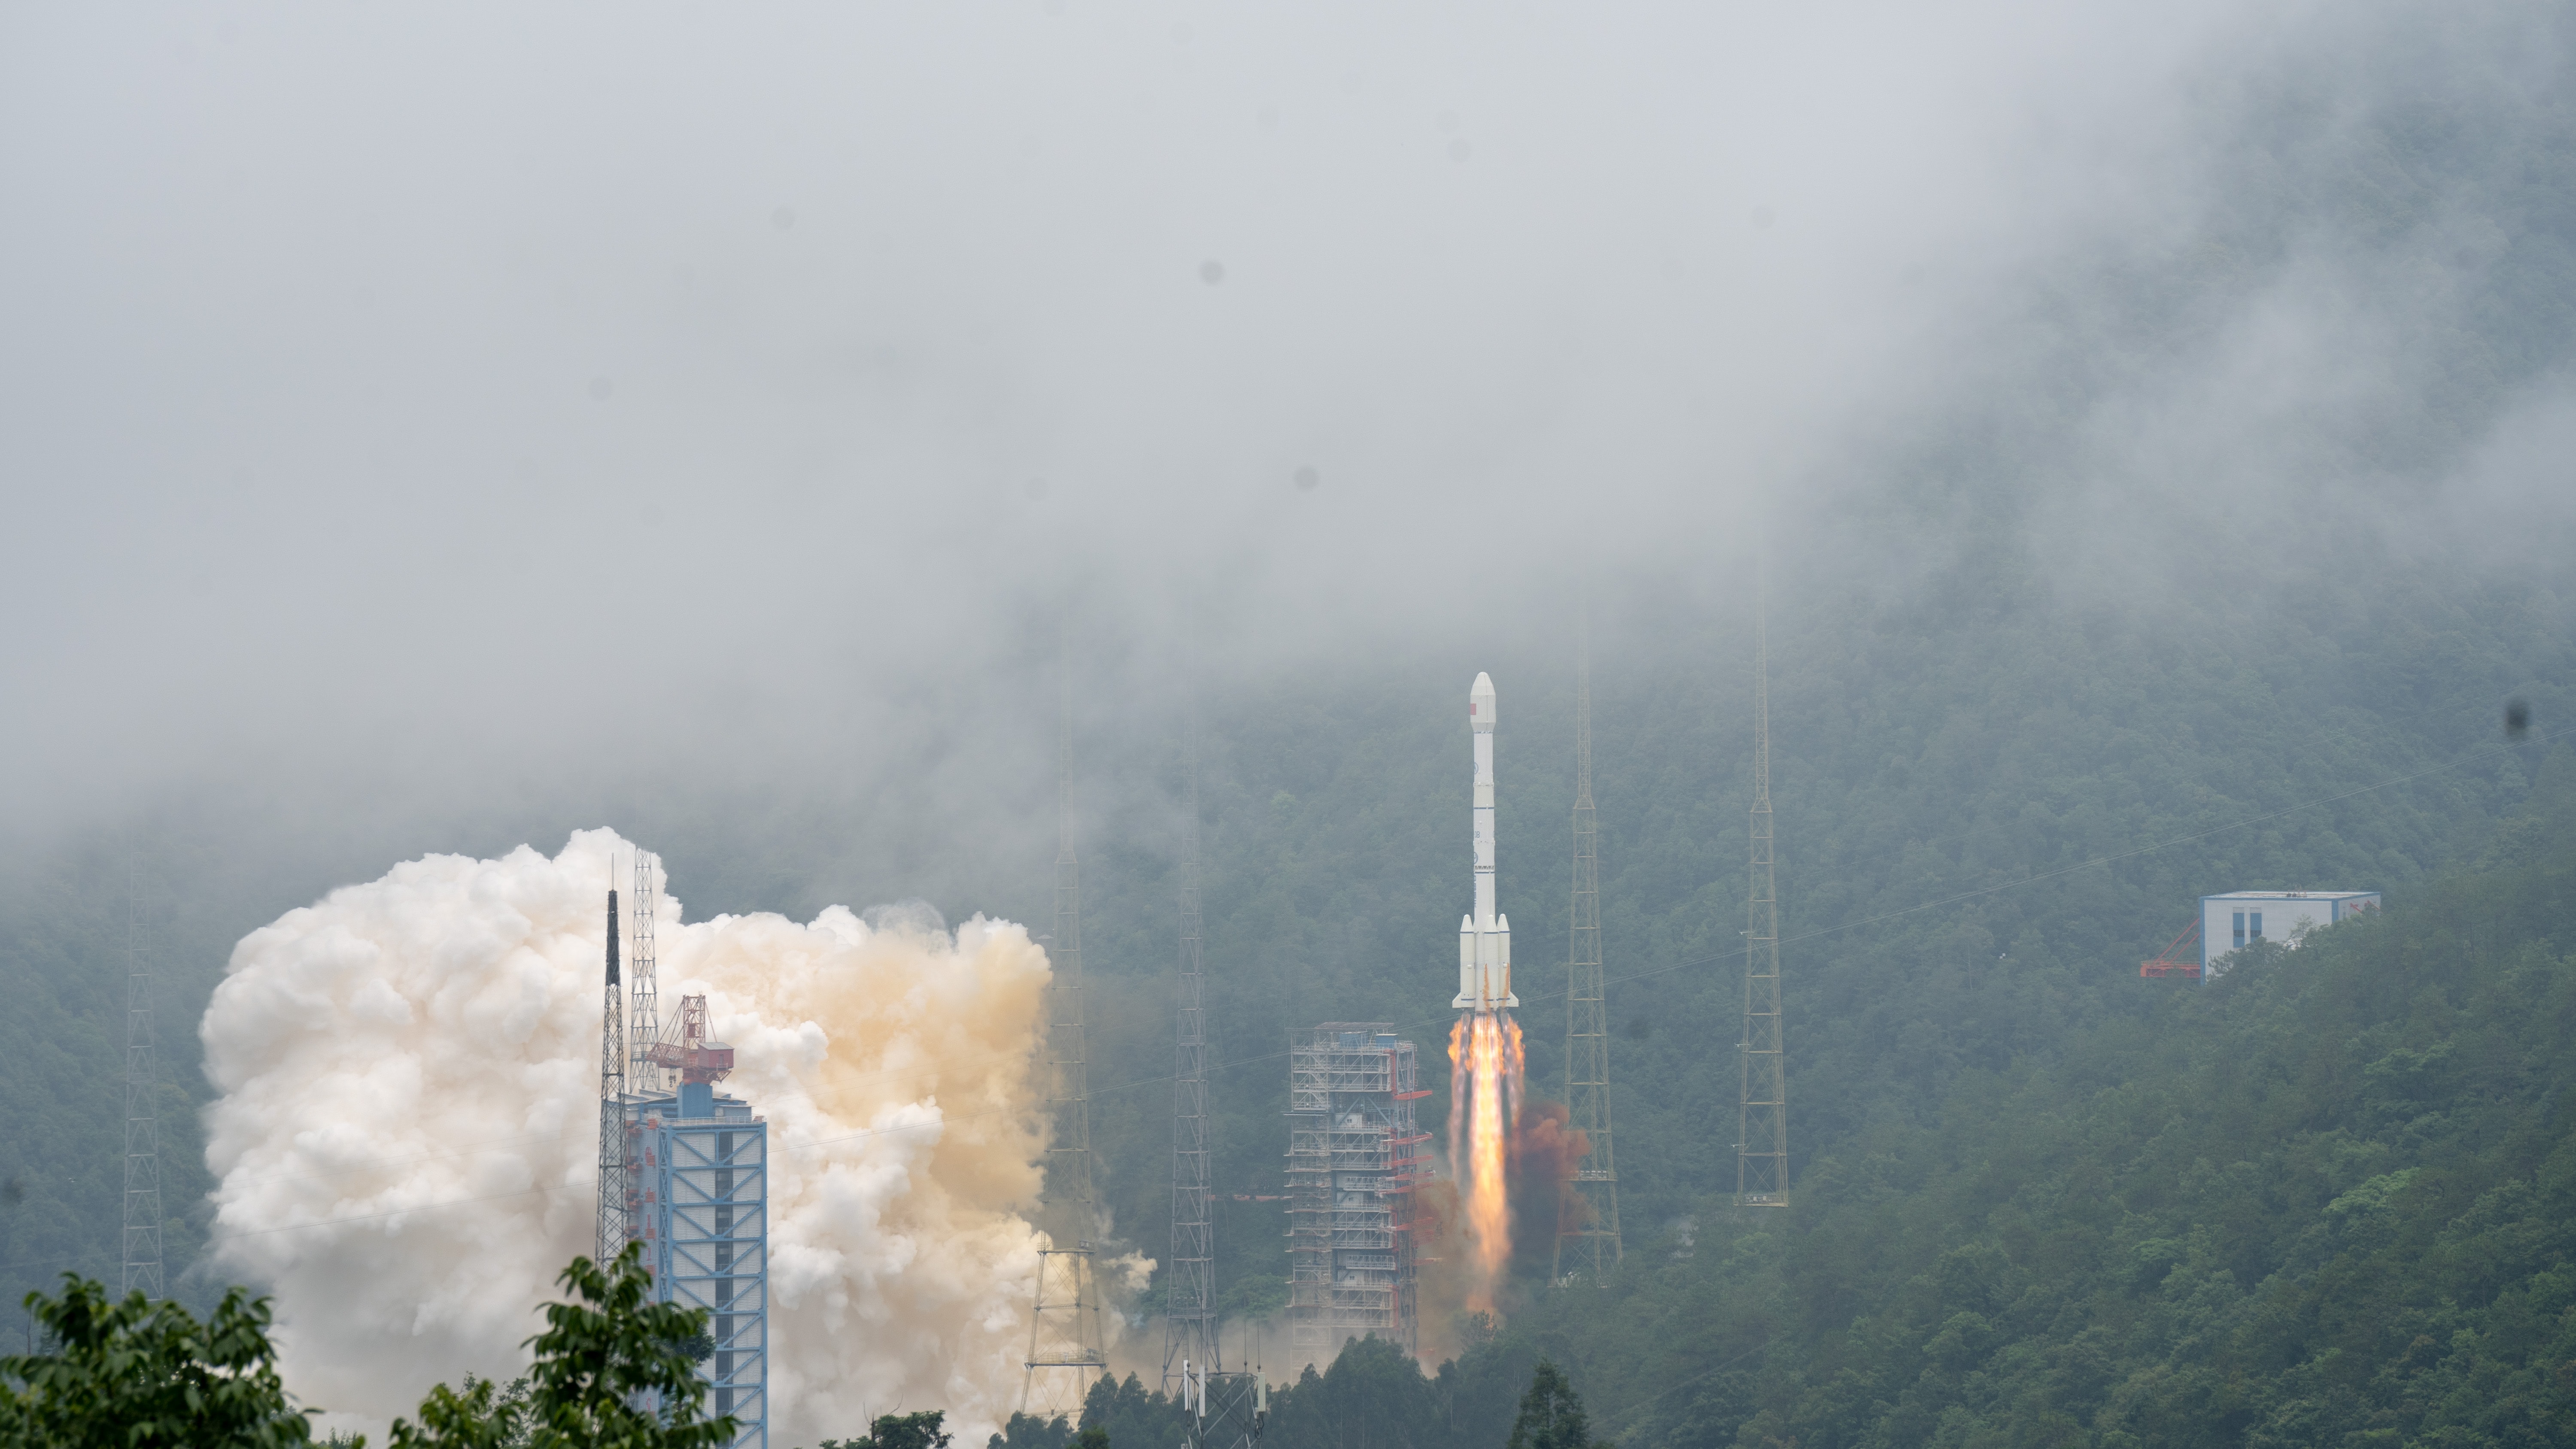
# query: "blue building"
[701,1161]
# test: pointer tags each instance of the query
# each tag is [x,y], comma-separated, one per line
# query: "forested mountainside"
[2329,1198]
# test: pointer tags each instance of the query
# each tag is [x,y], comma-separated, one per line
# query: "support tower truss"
[644,1021]
[1762,1136]
[1354,1162]
[1189,1277]
[142,1234]
[1587,1219]
[1221,1410]
[1066,1347]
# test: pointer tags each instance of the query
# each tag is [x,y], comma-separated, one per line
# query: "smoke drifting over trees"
[406,1133]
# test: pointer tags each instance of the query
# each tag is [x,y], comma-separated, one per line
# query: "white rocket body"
[1484,937]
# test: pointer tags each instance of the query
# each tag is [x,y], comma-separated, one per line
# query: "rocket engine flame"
[1485,1076]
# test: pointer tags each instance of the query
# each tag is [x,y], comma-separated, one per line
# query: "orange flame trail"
[1485,1095]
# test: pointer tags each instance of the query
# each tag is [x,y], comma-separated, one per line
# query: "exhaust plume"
[406,1138]
[1485,1098]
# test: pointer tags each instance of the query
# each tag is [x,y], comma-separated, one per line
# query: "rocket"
[1484,938]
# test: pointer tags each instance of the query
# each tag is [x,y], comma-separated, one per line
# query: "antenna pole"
[1065,1344]
[1762,1137]
[142,1236]
[1588,1205]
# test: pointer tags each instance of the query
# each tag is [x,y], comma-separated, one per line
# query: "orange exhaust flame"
[1485,1098]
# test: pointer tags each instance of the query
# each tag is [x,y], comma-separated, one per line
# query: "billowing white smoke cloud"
[407,1133]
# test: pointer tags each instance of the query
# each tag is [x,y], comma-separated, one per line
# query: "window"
[2240,928]
[724,1291]
[724,1222]
[724,1256]
[724,1182]
[724,1364]
[724,1401]
[724,1146]
[2255,931]
[724,1327]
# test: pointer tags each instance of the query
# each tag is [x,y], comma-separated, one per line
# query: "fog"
[406,405]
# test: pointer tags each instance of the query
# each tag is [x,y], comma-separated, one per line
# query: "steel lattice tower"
[142,1234]
[1762,1136]
[610,1237]
[644,1026]
[1189,1292]
[1588,1207]
[1065,1344]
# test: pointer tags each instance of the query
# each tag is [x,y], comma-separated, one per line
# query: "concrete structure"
[1354,1160]
[2240,918]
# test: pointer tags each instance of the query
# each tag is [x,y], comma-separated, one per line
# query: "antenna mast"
[1064,1326]
[1189,1323]
[611,1234]
[1762,1136]
[1588,1206]
[142,1245]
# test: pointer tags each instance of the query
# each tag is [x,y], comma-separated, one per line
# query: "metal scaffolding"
[1189,1278]
[1588,1208]
[1354,1160]
[142,1235]
[1066,1347]
[1762,1135]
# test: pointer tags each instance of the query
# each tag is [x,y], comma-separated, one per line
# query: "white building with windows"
[2238,919]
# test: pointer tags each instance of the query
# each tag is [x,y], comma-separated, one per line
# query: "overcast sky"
[392,398]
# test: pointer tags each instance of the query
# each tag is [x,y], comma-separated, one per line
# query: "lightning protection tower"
[1189,1315]
[1065,1344]
[644,1026]
[1587,1219]
[1762,1136]
[610,1237]
[142,1235]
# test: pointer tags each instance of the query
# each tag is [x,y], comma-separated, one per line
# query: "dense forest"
[2037,1199]
[2329,1198]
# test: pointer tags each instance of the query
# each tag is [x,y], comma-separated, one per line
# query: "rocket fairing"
[1484,937]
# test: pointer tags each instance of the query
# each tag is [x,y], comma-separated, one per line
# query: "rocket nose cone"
[1480,702]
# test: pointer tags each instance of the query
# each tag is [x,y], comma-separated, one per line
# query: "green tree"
[901,1431]
[1028,1431]
[599,1359]
[1551,1414]
[137,1375]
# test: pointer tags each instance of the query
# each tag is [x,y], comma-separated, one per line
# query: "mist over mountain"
[2147,428]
